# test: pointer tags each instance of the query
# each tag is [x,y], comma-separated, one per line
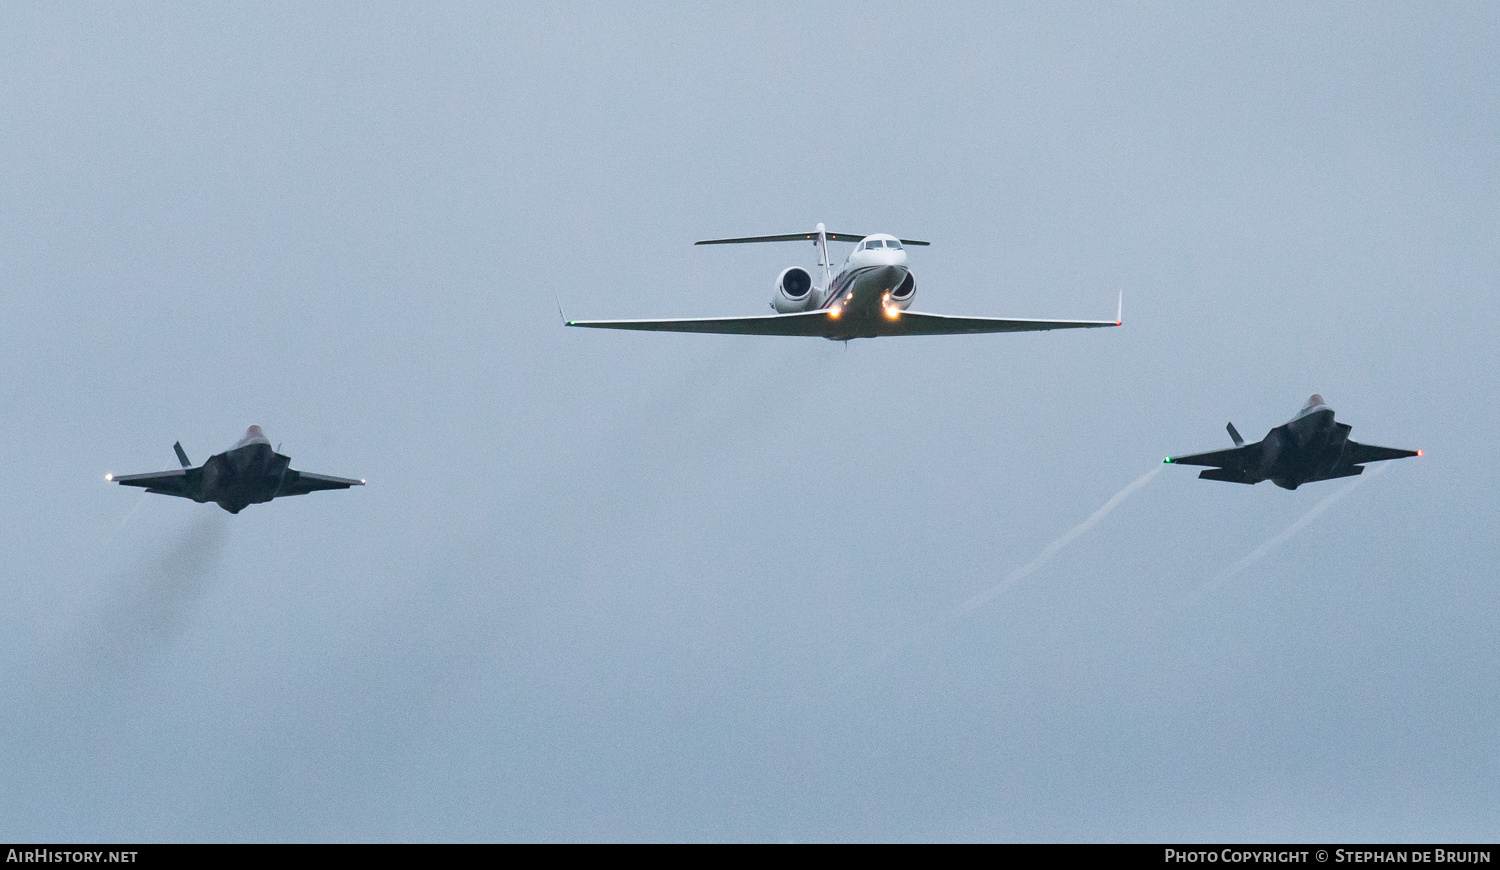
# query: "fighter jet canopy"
[253,435]
[1314,403]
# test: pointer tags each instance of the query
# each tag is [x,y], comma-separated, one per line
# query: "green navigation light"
[1168,460]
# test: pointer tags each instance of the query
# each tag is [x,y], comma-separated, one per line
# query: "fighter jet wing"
[179,482]
[804,323]
[1356,453]
[303,482]
[1232,465]
[919,323]
[1234,457]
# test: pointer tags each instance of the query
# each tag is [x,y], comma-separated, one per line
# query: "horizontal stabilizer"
[1341,471]
[1233,475]
[798,237]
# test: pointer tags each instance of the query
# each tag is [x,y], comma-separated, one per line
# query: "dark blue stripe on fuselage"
[843,281]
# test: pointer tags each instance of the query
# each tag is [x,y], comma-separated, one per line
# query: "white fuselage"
[870,283]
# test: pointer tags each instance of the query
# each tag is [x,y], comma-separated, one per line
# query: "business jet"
[868,296]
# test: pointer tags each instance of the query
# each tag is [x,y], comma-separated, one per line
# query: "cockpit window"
[874,243]
[892,243]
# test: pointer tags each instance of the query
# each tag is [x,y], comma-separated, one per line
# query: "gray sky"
[630,586]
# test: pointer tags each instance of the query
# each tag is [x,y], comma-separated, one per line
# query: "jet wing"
[303,482]
[1356,453]
[820,324]
[918,323]
[806,323]
[179,482]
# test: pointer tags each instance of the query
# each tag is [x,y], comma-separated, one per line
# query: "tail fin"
[1238,441]
[181,456]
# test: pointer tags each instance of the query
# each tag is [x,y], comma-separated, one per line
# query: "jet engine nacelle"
[904,293]
[793,290]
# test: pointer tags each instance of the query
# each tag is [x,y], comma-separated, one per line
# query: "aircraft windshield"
[892,243]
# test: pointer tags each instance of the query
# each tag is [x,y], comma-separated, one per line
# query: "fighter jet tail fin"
[1238,441]
[181,455]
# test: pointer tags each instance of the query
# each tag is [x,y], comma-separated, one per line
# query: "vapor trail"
[155,600]
[1014,577]
[1052,549]
[1259,552]
[138,502]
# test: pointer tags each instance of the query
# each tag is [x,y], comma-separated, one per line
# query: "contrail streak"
[1052,549]
[156,599]
[138,502]
[1260,552]
[1022,572]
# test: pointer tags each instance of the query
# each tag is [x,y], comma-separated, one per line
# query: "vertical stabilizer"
[1238,441]
[823,260]
[181,456]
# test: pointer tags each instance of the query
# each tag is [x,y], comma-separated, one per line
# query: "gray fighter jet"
[248,473]
[1308,447]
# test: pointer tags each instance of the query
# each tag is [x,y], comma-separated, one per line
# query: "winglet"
[1120,309]
[559,309]
[181,456]
[1238,441]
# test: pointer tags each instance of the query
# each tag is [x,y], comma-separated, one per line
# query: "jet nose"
[253,435]
[891,277]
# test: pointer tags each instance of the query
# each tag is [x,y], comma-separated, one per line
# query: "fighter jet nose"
[253,435]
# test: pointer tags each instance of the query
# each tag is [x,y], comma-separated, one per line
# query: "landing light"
[892,312]
[834,312]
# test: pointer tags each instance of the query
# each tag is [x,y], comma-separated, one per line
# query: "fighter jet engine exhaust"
[158,597]
[793,290]
[1053,548]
